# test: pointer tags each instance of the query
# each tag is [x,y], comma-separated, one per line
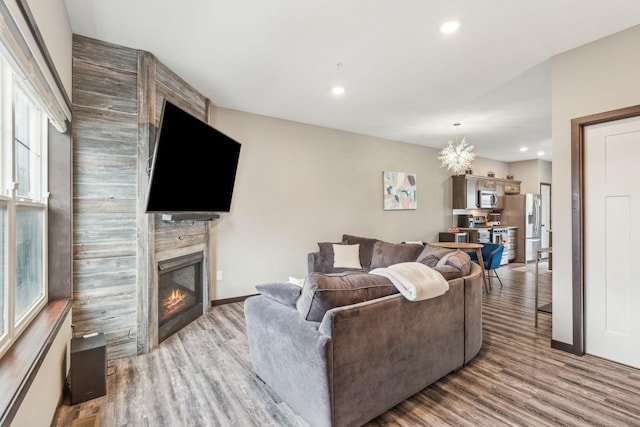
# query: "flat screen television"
[193,168]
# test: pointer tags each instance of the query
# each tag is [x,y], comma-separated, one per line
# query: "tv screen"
[194,165]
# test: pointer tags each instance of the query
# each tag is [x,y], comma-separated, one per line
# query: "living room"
[299,184]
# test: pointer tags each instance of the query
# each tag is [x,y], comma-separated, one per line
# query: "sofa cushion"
[346,256]
[448,272]
[322,292]
[386,254]
[366,247]
[284,293]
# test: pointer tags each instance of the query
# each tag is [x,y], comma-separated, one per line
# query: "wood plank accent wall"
[104,102]
[117,101]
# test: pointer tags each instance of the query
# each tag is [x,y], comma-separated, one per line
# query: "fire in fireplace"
[173,301]
[179,293]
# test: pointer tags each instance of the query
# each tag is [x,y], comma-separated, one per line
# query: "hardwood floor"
[202,377]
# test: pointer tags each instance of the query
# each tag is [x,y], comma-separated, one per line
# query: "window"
[29,277]
[23,208]
[28,158]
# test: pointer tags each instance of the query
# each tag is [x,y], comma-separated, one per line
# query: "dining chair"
[491,255]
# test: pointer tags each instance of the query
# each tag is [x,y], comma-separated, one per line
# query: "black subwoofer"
[88,376]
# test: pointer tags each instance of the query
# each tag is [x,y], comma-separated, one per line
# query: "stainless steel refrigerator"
[523,211]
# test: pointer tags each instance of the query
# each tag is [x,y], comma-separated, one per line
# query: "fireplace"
[180,293]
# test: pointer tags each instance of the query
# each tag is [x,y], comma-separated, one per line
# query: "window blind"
[19,47]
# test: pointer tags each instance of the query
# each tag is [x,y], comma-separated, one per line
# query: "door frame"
[577,219]
[549,226]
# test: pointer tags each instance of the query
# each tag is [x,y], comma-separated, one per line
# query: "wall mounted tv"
[194,167]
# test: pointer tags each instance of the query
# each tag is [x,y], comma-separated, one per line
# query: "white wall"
[53,24]
[545,172]
[531,173]
[40,403]
[299,184]
[598,77]
[482,166]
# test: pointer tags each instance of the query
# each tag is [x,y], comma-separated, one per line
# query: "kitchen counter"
[474,238]
[485,226]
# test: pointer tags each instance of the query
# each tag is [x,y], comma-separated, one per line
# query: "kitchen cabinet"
[486,184]
[511,187]
[510,246]
[466,187]
[465,192]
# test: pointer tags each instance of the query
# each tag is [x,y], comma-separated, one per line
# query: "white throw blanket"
[414,280]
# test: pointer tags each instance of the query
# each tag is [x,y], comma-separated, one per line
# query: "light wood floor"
[202,377]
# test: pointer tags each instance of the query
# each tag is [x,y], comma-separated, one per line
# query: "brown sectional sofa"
[347,346]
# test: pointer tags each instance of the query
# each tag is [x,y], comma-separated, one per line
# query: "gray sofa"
[347,347]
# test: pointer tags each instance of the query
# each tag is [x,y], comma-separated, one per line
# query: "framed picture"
[399,191]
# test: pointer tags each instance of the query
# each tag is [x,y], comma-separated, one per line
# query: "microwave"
[487,199]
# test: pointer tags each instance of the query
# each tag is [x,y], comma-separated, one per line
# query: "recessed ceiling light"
[450,26]
[540,153]
[523,149]
[337,90]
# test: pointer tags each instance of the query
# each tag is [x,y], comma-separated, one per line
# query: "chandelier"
[457,158]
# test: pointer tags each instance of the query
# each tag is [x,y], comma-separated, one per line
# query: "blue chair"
[491,255]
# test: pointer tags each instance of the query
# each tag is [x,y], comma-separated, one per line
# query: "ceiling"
[404,80]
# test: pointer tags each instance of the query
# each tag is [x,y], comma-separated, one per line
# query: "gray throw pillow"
[322,292]
[451,263]
[460,260]
[386,254]
[430,255]
[325,250]
[284,293]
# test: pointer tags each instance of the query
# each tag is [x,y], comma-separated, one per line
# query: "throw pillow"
[284,293]
[346,256]
[430,255]
[326,252]
[322,292]
[415,242]
[460,260]
[451,263]
[386,254]
[326,258]
[366,247]
[295,281]
[442,261]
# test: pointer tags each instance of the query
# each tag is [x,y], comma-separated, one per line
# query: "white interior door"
[612,202]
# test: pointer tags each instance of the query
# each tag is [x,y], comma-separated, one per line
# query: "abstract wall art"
[399,190]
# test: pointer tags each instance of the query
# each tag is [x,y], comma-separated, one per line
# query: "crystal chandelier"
[457,158]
